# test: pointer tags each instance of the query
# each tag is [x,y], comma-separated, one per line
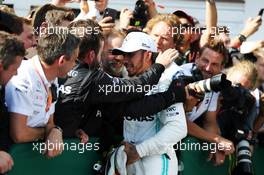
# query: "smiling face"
[210,63]
[134,62]
[137,62]
[112,64]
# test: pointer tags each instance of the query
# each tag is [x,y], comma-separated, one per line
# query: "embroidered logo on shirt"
[140,119]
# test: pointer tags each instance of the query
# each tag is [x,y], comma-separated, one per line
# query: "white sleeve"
[213,104]
[173,130]
[18,96]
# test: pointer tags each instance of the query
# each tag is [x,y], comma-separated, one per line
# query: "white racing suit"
[154,136]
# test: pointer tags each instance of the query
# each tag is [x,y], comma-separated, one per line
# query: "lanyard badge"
[48,89]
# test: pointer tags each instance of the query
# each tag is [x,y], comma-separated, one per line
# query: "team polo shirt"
[26,93]
[209,104]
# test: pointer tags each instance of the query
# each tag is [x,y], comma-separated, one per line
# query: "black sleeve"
[5,140]
[152,104]
[148,105]
[105,89]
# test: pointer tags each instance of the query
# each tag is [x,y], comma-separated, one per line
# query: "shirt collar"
[36,61]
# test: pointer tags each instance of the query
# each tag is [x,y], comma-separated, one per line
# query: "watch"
[242,38]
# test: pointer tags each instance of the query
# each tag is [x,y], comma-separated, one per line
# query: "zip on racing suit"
[155,135]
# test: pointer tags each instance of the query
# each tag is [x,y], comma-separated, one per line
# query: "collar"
[37,64]
[81,64]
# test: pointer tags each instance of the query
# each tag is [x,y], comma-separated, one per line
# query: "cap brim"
[122,51]
[182,14]
[118,52]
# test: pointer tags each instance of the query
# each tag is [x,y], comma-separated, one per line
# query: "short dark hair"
[10,48]
[182,14]
[11,23]
[52,45]
[90,39]
[217,46]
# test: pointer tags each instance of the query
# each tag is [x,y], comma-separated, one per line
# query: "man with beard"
[113,64]
[211,62]
[87,89]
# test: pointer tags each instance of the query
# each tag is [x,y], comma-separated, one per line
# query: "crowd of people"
[128,78]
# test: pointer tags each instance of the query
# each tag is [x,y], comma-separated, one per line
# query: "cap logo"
[145,45]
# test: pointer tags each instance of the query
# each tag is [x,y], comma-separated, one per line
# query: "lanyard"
[48,91]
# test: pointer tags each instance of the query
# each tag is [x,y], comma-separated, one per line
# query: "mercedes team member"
[153,136]
[83,94]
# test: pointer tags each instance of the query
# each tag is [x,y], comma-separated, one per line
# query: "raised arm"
[252,25]
[210,21]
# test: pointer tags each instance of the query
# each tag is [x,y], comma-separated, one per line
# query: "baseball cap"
[135,41]
[182,14]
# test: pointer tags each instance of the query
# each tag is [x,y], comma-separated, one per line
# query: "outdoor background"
[230,12]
